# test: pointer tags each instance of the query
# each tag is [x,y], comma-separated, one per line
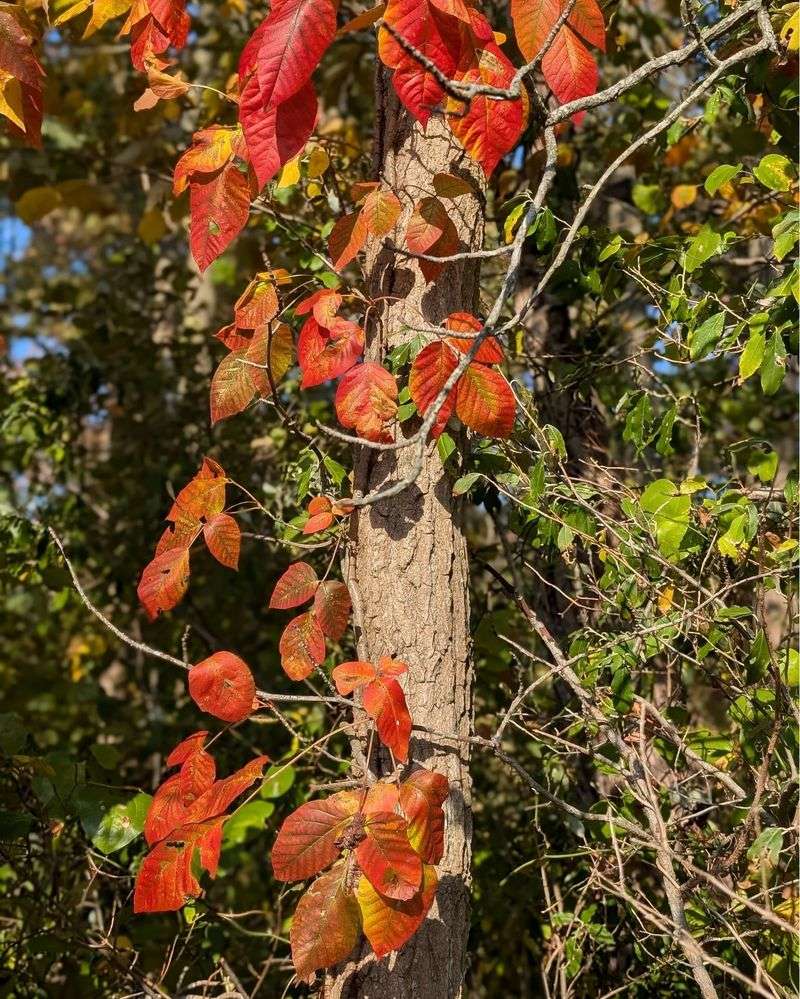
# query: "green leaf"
[610,249]
[703,340]
[336,471]
[251,816]
[121,824]
[774,171]
[446,446]
[766,848]
[703,247]
[277,781]
[664,441]
[670,513]
[763,466]
[773,367]
[465,483]
[752,356]
[649,198]
[720,176]
[536,483]
[555,440]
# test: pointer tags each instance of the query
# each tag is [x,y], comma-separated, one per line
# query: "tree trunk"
[407,562]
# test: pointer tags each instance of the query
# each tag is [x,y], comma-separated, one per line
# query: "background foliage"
[644,509]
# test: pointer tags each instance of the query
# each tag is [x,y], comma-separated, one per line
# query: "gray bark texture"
[407,563]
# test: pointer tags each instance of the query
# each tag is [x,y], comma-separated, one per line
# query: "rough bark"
[407,565]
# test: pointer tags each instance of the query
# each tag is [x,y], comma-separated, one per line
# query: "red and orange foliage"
[375,850]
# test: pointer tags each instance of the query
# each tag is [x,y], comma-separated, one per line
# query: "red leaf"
[165,880]
[297,585]
[217,799]
[326,924]
[275,134]
[302,647]
[347,238]
[387,858]
[306,842]
[366,400]
[167,810]
[325,353]
[569,68]
[489,352]
[440,31]
[421,799]
[385,701]
[431,231]
[219,210]
[197,775]
[211,149]
[186,748]
[485,402]
[18,61]
[223,537]
[388,923]
[332,608]
[223,686]
[164,581]
[489,129]
[432,366]
[292,40]
[349,676]
[257,304]
[324,305]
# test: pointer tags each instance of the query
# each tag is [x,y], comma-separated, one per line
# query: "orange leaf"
[223,686]
[332,608]
[347,239]
[297,585]
[223,537]
[324,304]
[306,842]
[387,858]
[164,581]
[485,402]
[326,924]
[366,400]
[432,366]
[388,923]
[351,675]
[421,799]
[257,304]
[385,701]
[186,748]
[325,353]
[302,646]
[363,20]
[489,352]
[218,798]
[489,129]
[380,212]
[167,810]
